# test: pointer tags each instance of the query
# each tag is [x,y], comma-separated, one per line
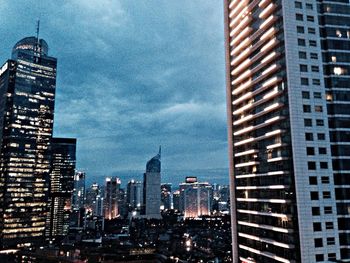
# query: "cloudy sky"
[132,75]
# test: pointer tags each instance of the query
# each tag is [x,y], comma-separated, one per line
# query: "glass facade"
[334,21]
[111,198]
[151,188]
[27,90]
[134,195]
[78,200]
[61,186]
[166,196]
[196,199]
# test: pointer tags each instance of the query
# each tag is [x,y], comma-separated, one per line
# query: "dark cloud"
[132,75]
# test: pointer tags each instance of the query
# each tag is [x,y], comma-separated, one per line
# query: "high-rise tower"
[165,196]
[78,200]
[61,186]
[134,195]
[151,187]
[195,198]
[112,195]
[288,122]
[27,95]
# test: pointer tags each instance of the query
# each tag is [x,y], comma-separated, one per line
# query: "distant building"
[61,186]
[90,196]
[112,195]
[224,193]
[78,197]
[122,204]
[166,196]
[27,98]
[97,209]
[94,199]
[196,198]
[134,195]
[151,187]
[176,200]
[78,200]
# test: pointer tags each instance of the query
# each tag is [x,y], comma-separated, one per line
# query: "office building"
[224,193]
[63,152]
[176,200]
[78,200]
[151,187]
[196,198]
[111,198]
[27,96]
[166,196]
[91,195]
[134,195]
[97,209]
[288,127]
[122,203]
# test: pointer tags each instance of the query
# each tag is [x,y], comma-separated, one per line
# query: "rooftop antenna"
[37,46]
[37,30]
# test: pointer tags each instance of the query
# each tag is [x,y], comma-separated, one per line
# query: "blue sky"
[132,75]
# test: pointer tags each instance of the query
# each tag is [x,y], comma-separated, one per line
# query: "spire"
[160,151]
[37,30]
[37,46]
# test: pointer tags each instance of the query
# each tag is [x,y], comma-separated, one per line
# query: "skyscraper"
[94,200]
[61,186]
[288,129]
[195,198]
[166,196]
[176,200]
[134,195]
[27,95]
[78,200]
[151,187]
[112,196]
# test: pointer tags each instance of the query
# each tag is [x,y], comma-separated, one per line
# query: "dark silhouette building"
[61,186]
[166,196]
[134,195]
[78,200]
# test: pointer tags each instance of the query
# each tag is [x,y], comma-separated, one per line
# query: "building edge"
[229,135]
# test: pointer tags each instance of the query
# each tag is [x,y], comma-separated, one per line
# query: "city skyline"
[145,58]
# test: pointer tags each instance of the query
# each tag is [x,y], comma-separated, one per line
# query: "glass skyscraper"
[195,198]
[27,94]
[151,187]
[78,200]
[61,186]
[134,195]
[288,80]
[111,198]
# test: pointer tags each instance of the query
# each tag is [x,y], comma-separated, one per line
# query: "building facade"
[196,198]
[288,115]
[111,198]
[176,200]
[134,195]
[78,200]
[94,200]
[166,196]
[151,187]
[27,95]
[63,152]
